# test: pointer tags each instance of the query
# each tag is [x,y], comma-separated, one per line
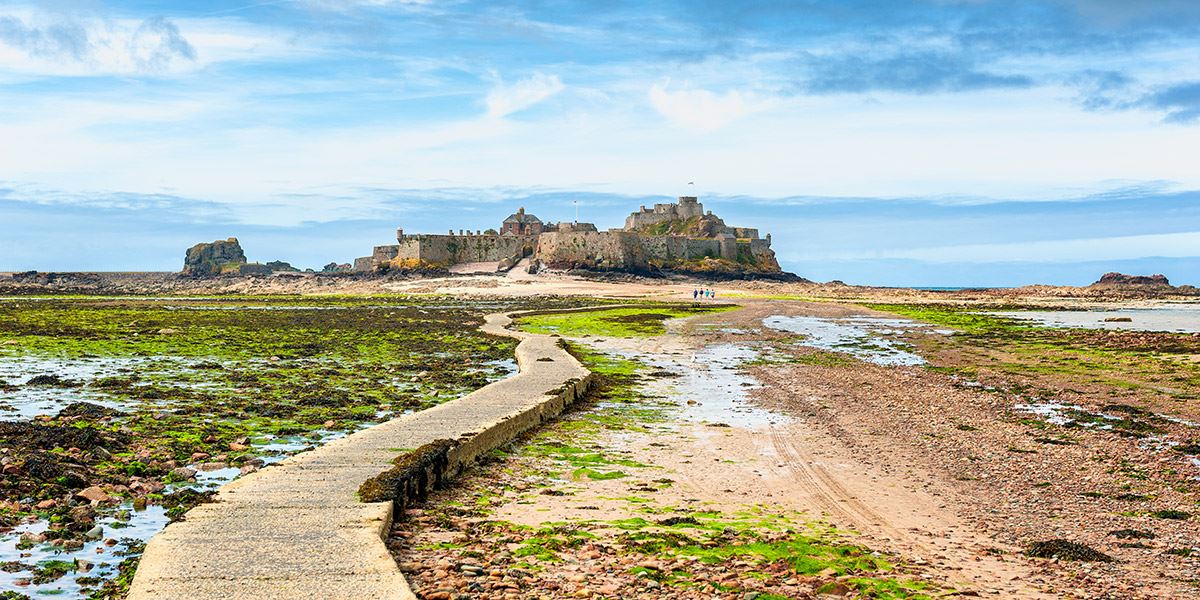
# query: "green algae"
[223,376]
[1119,360]
[644,321]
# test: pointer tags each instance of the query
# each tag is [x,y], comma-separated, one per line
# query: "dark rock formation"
[334,267]
[1066,550]
[254,269]
[1123,279]
[212,259]
[279,265]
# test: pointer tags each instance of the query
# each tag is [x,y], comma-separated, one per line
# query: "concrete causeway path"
[297,529]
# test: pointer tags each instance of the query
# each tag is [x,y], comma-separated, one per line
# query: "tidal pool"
[97,560]
[707,384]
[865,338]
[1178,318]
[22,400]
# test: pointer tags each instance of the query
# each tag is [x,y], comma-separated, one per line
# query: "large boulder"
[214,258]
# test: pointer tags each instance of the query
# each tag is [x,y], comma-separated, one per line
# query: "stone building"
[521,223]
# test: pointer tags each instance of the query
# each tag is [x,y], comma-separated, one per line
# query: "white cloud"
[701,109]
[38,44]
[506,99]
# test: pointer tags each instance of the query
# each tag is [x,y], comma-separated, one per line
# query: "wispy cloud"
[1180,102]
[506,99]
[703,110]
[911,72]
[58,44]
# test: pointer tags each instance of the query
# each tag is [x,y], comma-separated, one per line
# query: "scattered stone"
[1132,534]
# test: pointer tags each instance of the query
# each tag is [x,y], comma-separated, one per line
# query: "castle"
[677,236]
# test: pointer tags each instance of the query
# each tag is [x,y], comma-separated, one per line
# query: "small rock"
[82,514]
[44,504]
[34,538]
[183,473]
[834,588]
[94,494]
[95,533]
[212,466]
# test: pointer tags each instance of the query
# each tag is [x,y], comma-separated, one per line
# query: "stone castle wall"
[446,250]
[687,208]
[626,250]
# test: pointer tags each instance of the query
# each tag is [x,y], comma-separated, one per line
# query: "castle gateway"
[678,236]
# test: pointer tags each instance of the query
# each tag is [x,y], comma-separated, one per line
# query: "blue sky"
[937,142]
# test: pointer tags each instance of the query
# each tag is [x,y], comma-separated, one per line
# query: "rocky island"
[678,237]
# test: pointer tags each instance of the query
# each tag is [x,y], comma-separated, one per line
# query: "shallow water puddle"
[707,384]
[93,562]
[1180,318]
[23,401]
[865,338]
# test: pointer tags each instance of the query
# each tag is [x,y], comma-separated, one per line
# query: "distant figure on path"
[695,292]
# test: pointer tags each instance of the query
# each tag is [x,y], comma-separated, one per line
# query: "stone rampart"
[625,250]
[448,249]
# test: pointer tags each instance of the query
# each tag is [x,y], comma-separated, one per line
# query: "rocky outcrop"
[1121,279]
[214,258]
[279,265]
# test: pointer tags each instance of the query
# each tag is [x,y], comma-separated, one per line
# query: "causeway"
[297,530]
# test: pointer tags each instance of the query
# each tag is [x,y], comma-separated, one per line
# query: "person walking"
[695,293]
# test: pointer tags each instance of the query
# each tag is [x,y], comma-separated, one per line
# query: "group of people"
[706,294]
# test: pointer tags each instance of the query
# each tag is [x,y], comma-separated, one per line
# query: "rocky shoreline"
[1111,287]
